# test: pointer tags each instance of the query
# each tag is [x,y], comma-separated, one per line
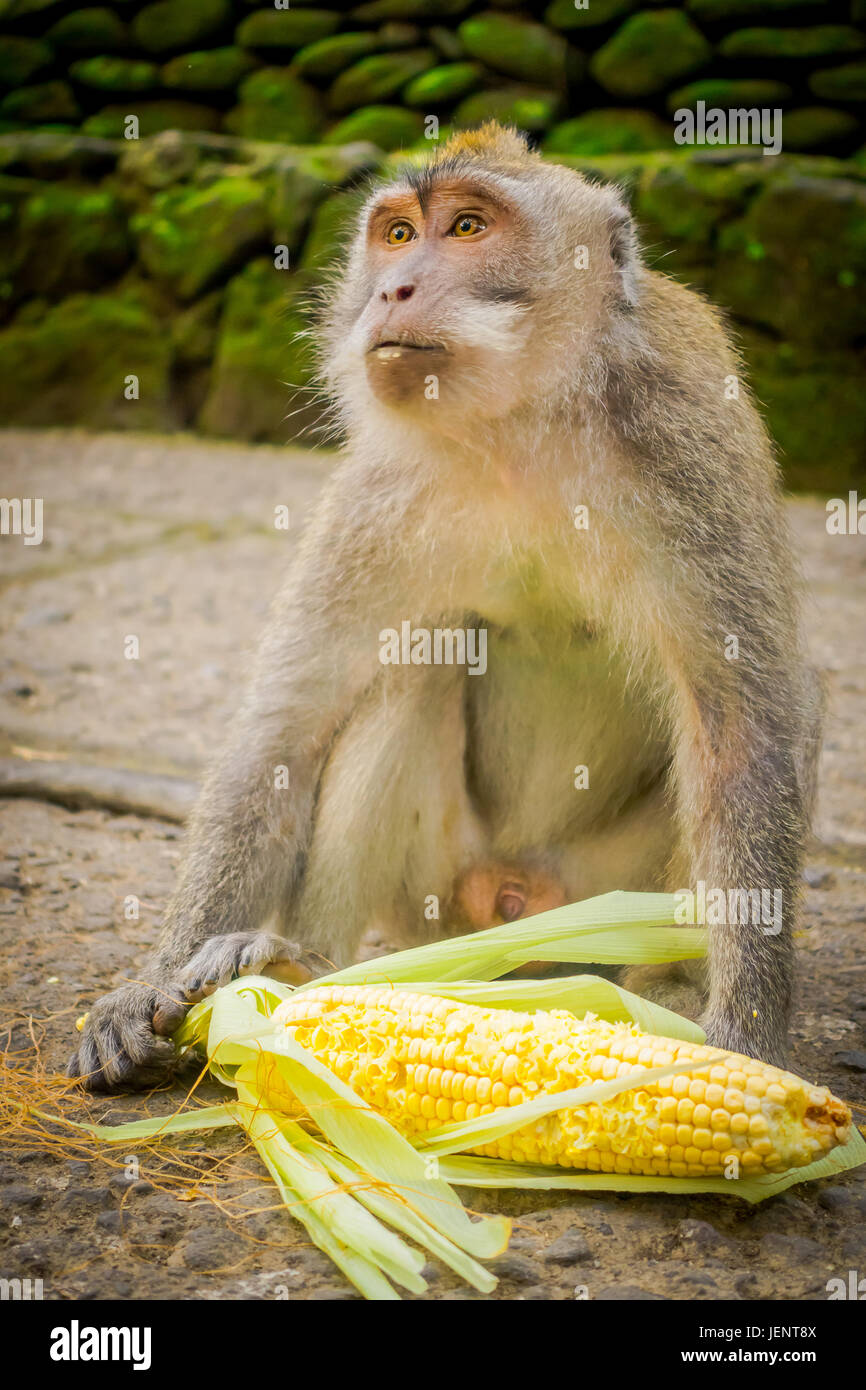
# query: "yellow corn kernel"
[425,1061]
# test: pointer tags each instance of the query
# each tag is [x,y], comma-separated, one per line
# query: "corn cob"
[423,1061]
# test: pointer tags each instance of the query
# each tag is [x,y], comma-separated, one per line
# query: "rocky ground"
[173,542]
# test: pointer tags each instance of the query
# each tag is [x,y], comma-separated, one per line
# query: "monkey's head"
[481,280]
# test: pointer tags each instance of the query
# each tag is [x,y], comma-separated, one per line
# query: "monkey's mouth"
[395,349]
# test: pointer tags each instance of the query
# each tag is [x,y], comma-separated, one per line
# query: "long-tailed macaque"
[550,448]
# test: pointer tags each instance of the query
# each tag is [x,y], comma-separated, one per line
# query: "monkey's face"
[477,285]
[442,280]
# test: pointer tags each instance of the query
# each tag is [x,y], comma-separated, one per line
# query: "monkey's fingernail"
[291,972]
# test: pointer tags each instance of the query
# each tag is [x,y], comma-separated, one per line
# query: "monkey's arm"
[741,805]
[250,832]
[720,596]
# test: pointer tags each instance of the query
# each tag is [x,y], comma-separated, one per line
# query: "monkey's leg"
[741,806]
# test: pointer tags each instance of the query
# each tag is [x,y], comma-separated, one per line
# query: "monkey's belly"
[438,770]
[567,757]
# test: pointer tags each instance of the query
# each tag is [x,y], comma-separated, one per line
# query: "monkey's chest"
[559,734]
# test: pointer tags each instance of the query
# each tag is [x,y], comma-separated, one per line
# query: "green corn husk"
[368,1196]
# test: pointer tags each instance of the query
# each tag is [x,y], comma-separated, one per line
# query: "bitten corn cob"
[423,1061]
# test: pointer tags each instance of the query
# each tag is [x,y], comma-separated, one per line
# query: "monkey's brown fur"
[489,386]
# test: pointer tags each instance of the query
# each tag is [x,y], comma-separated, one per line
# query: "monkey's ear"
[624,252]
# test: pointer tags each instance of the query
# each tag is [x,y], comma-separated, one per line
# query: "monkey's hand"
[222,958]
[126,1040]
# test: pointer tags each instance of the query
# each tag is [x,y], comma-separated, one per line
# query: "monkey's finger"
[281,960]
[90,1056]
[140,1044]
[294,970]
[291,972]
[115,1064]
[197,988]
[169,1014]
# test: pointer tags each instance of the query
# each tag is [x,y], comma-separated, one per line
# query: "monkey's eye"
[468,224]
[400,232]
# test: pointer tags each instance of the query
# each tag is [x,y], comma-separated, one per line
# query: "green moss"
[210,70]
[327,57]
[21,58]
[680,207]
[285,28]
[648,52]
[796,262]
[109,74]
[409,9]
[47,101]
[443,84]
[816,41]
[562,14]
[192,237]
[516,47]
[14,9]
[276,105]
[333,222]
[814,127]
[178,24]
[71,239]
[69,367]
[299,185]
[388,127]
[94,30]
[396,35]
[380,76]
[815,405]
[158,161]
[717,11]
[847,83]
[153,117]
[14,194]
[608,132]
[194,331]
[730,92]
[529,108]
[263,363]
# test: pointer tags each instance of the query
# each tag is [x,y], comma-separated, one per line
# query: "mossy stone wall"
[187,261]
[312,71]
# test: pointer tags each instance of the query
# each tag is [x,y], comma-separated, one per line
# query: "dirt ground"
[173,542]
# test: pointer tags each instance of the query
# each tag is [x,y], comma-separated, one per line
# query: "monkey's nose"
[402,292]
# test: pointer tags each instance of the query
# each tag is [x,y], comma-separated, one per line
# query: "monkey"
[551,443]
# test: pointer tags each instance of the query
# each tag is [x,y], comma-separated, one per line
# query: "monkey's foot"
[126,1040]
[223,958]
